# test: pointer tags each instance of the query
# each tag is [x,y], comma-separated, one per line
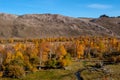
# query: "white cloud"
[99,6]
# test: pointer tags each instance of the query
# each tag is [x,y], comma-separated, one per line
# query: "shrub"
[17,61]
[34,60]
[104,15]
[1,73]
[28,67]
[118,17]
[34,70]
[118,59]
[66,61]
[52,63]
[14,71]
[113,59]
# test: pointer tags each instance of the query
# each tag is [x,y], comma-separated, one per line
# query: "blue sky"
[73,8]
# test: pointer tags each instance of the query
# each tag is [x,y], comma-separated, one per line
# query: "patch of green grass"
[53,74]
[59,74]
[48,75]
[91,75]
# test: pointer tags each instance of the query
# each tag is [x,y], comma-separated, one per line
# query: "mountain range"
[55,25]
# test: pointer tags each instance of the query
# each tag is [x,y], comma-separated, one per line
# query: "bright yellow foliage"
[61,51]
[19,55]
[9,57]
[80,50]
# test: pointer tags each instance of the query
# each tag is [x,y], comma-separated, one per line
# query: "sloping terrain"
[54,25]
[112,24]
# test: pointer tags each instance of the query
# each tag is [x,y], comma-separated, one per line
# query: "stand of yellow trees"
[19,56]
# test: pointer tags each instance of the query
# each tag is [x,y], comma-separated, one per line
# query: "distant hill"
[54,25]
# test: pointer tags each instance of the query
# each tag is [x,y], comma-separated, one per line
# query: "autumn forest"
[19,57]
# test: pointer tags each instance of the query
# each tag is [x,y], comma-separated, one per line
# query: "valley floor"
[60,74]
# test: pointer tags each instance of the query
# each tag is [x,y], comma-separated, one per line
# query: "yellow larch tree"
[61,51]
[80,50]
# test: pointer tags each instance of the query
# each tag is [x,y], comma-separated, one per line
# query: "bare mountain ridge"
[54,25]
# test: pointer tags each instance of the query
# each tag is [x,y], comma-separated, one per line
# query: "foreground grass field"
[53,74]
[49,75]
[59,74]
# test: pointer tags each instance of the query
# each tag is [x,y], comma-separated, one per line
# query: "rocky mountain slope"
[54,25]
